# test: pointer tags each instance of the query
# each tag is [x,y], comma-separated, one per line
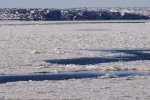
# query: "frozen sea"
[72,46]
[56,46]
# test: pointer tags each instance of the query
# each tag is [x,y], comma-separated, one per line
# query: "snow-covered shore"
[28,47]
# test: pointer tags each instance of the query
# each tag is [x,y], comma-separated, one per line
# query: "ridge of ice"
[74,13]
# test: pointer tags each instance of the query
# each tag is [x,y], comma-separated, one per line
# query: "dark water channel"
[41,76]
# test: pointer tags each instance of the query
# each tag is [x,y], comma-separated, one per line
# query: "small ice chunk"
[110,76]
[35,52]
[32,11]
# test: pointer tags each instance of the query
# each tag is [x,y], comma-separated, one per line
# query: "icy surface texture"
[74,14]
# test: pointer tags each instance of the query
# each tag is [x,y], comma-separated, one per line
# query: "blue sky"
[72,3]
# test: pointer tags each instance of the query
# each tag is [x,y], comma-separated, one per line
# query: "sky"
[72,3]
